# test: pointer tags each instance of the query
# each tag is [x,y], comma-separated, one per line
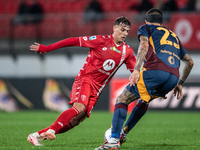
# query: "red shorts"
[84,91]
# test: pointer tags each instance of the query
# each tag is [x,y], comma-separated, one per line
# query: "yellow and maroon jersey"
[165,50]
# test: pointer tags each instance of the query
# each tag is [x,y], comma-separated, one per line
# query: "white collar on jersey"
[117,44]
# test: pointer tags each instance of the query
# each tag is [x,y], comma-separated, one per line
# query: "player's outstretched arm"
[142,51]
[39,48]
[186,71]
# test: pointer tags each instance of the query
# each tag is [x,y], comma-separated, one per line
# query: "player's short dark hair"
[154,16]
[123,20]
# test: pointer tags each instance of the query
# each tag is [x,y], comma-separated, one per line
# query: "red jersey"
[104,59]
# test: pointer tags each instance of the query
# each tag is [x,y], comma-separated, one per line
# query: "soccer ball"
[107,134]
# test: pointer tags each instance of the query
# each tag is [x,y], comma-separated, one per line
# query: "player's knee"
[80,107]
[121,100]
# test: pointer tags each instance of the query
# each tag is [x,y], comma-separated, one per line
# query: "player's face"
[120,33]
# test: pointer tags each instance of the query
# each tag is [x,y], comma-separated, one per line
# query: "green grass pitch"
[157,130]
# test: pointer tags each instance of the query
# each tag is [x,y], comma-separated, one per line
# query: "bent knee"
[126,97]
[79,106]
[119,100]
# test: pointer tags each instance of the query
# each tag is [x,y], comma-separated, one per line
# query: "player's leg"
[120,111]
[141,107]
[138,111]
[63,121]
[65,117]
[119,116]
[74,122]
[151,82]
[132,93]
[79,99]
[84,114]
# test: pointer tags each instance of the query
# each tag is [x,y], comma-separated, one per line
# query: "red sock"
[66,128]
[63,120]
[43,130]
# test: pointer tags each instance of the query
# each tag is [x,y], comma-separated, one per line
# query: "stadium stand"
[65,6]
[64,18]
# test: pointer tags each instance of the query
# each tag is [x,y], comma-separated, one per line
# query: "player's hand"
[35,48]
[134,77]
[178,91]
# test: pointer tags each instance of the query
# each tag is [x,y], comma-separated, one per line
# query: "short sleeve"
[90,41]
[142,31]
[183,51]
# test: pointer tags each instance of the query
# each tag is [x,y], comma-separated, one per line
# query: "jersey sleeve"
[183,51]
[131,60]
[142,31]
[90,41]
[63,43]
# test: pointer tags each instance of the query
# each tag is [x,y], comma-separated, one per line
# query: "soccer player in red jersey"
[106,55]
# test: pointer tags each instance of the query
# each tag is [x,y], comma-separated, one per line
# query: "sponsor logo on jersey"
[92,38]
[83,97]
[104,72]
[108,64]
[115,49]
[104,48]
[85,38]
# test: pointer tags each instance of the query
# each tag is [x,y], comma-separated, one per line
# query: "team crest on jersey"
[92,38]
[85,38]
[115,49]
[108,64]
